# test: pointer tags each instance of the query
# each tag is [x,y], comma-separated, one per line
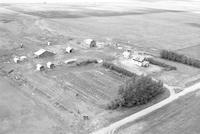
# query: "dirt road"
[113,127]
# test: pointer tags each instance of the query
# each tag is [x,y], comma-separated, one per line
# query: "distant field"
[191,51]
[144,27]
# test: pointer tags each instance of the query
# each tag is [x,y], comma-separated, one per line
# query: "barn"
[43,53]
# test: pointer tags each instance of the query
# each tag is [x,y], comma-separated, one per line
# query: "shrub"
[118,69]
[158,63]
[86,62]
[138,90]
[173,56]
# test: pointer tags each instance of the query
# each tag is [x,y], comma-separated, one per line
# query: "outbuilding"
[69,50]
[39,67]
[43,53]
[48,43]
[70,61]
[127,54]
[50,65]
[22,58]
[90,42]
[16,59]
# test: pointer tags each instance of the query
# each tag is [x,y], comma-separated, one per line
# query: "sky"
[55,1]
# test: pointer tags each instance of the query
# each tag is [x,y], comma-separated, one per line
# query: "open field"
[20,114]
[180,77]
[181,116]
[191,51]
[79,94]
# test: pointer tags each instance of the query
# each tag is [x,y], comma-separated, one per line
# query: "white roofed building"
[69,49]
[127,54]
[140,60]
[90,42]
[39,67]
[50,65]
[16,59]
[43,53]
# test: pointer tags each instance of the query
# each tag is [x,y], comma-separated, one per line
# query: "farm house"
[43,53]
[90,42]
[69,49]
[140,60]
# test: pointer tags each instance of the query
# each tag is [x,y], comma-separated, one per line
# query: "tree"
[137,91]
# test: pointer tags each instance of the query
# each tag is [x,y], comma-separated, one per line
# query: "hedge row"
[118,69]
[173,56]
[86,62]
[164,65]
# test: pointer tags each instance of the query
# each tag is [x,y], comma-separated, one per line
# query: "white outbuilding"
[22,58]
[16,59]
[90,42]
[69,49]
[100,61]
[70,61]
[39,67]
[48,43]
[127,54]
[50,65]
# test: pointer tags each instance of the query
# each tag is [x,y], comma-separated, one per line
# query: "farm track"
[187,47]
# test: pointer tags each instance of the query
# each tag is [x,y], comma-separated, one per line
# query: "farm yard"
[75,90]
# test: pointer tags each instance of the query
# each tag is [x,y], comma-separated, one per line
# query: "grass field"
[20,114]
[191,51]
[180,117]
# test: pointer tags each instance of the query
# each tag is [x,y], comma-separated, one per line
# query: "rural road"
[113,127]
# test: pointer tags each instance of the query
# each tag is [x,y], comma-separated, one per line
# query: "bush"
[138,90]
[86,62]
[158,63]
[173,56]
[120,70]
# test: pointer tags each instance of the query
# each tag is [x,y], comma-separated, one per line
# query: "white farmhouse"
[140,60]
